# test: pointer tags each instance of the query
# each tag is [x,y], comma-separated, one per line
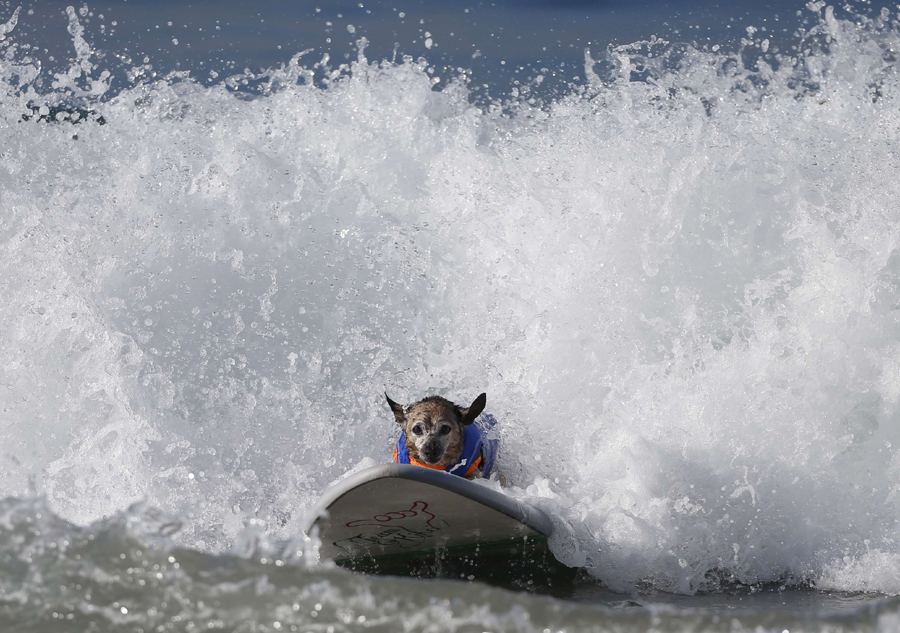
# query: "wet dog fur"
[434,429]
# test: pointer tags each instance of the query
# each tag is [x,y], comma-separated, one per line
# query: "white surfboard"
[396,512]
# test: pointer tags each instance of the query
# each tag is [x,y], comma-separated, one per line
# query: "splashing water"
[679,285]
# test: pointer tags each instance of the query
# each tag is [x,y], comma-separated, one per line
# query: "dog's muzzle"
[432,453]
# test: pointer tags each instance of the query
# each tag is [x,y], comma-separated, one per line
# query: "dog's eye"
[445,429]
[417,430]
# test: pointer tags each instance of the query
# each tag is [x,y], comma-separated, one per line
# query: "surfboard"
[397,517]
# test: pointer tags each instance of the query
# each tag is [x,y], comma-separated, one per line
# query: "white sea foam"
[874,571]
[679,286]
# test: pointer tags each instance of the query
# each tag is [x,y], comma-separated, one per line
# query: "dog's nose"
[431,453]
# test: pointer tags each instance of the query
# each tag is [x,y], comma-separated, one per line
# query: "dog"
[440,435]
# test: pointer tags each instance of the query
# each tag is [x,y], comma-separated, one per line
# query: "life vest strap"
[474,466]
[416,462]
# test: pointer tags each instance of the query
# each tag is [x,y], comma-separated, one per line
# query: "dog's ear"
[474,410]
[397,409]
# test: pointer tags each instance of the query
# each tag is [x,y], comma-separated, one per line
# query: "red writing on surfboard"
[399,528]
[418,509]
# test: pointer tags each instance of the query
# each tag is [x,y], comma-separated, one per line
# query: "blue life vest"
[477,450]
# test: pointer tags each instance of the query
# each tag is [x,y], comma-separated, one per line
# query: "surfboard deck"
[400,518]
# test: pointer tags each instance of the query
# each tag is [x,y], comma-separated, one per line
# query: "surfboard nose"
[403,513]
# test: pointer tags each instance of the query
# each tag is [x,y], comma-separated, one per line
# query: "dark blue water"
[500,44]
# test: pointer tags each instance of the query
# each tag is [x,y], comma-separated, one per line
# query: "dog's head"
[434,428]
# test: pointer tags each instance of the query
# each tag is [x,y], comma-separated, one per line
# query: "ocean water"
[670,255]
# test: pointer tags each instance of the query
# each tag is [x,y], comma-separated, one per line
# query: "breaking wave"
[678,282]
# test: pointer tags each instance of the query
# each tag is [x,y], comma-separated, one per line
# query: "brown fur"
[440,425]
